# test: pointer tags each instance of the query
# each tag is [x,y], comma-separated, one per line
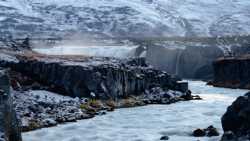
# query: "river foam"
[148,123]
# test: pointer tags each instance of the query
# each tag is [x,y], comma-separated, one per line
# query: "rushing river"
[149,123]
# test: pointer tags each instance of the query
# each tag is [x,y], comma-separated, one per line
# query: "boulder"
[199,133]
[236,120]
[209,132]
[164,138]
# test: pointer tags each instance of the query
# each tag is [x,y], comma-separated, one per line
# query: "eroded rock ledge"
[104,78]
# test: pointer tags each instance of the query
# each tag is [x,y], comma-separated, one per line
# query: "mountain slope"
[125,17]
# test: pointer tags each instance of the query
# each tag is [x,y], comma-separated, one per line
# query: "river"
[149,123]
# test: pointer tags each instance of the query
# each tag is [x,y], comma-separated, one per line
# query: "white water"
[99,51]
[149,123]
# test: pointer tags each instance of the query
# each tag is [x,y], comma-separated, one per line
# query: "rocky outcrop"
[189,62]
[236,120]
[104,78]
[9,124]
[232,72]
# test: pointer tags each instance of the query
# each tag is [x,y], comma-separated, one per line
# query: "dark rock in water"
[164,138]
[209,132]
[236,120]
[199,133]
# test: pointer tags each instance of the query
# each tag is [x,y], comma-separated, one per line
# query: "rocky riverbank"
[232,72]
[38,109]
[88,86]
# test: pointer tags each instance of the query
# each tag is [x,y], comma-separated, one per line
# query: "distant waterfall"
[98,51]
[177,62]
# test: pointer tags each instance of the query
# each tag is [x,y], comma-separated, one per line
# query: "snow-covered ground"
[99,51]
[148,123]
[126,17]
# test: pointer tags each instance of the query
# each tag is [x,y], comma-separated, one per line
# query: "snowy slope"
[125,17]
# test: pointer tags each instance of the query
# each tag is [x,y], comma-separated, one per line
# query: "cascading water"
[122,51]
[178,63]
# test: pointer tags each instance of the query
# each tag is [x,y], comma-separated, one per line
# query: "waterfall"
[177,62]
[123,51]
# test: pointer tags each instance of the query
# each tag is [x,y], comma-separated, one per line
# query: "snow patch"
[8,58]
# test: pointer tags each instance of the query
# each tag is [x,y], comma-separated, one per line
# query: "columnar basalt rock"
[106,78]
[232,72]
[9,124]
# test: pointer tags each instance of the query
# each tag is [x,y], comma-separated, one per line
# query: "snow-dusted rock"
[38,109]
[125,17]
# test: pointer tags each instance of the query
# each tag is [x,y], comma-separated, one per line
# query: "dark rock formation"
[9,124]
[236,120]
[229,136]
[209,132]
[106,78]
[164,138]
[232,72]
[199,133]
[190,62]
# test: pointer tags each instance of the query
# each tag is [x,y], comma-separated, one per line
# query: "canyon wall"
[191,62]
[232,72]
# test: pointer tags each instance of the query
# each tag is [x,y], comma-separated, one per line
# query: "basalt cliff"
[232,72]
